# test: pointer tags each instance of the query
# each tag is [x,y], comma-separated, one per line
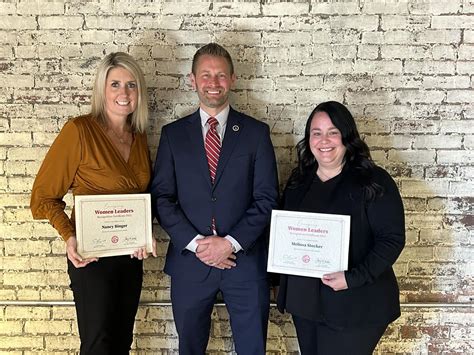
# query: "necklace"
[326,177]
[121,139]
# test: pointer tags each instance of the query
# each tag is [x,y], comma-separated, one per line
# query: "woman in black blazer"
[344,312]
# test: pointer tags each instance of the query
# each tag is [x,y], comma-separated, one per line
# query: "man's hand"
[141,253]
[73,256]
[215,251]
[335,280]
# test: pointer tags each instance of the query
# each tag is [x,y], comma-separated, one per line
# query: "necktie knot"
[212,121]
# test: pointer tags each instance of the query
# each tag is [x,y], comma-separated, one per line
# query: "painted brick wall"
[404,68]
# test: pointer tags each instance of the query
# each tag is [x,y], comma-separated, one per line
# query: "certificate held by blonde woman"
[108,225]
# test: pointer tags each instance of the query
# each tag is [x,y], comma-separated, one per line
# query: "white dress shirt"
[221,117]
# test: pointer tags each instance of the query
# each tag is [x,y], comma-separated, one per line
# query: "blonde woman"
[103,152]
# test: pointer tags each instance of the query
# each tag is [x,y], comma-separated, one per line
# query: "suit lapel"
[231,137]
[196,141]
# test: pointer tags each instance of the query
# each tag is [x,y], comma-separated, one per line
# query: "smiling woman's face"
[325,142]
[121,93]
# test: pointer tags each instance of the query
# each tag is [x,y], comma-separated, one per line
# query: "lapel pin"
[235,128]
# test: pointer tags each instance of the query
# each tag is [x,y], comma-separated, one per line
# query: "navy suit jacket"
[241,199]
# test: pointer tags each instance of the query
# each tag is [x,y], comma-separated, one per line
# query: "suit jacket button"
[214,199]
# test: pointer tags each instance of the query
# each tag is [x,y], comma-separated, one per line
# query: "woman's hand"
[141,253]
[73,256]
[335,280]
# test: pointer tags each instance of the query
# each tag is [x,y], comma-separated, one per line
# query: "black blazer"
[377,238]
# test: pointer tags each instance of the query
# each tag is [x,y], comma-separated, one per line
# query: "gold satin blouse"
[83,158]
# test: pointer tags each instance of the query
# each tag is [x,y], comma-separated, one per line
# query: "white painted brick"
[138,7]
[429,67]
[441,52]
[192,7]
[36,7]
[464,67]
[454,157]
[367,51]
[469,142]
[316,96]
[8,37]
[285,9]
[395,81]
[236,9]
[433,141]
[343,52]
[468,36]
[434,7]
[446,82]
[412,156]
[17,81]
[301,23]
[342,82]
[466,52]
[439,36]
[416,127]
[388,37]
[158,22]
[385,7]
[8,8]
[6,52]
[462,127]
[460,96]
[264,23]
[404,52]
[17,23]
[335,8]
[373,97]
[63,22]
[460,21]
[362,22]
[286,39]
[373,126]
[108,22]
[415,96]
[256,84]
[400,22]
[327,67]
[299,83]
[378,66]
[389,141]
[187,37]
[96,36]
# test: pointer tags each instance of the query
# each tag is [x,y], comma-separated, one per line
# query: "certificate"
[308,244]
[108,225]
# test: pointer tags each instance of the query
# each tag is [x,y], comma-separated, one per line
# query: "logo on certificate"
[306,259]
[114,239]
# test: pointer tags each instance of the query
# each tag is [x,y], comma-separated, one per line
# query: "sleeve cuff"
[192,246]
[236,247]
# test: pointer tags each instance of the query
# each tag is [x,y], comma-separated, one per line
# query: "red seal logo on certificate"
[306,259]
[114,239]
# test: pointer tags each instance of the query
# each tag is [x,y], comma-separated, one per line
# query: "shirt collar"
[221,117]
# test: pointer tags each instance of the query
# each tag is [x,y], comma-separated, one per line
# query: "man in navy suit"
[216,219]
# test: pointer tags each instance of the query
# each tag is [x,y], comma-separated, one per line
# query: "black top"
[377,238]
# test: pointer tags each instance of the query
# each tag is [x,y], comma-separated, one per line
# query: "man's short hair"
[215,50]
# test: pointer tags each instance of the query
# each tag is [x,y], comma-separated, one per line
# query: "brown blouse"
[83,158]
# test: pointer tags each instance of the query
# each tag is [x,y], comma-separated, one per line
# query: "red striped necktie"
[213,147]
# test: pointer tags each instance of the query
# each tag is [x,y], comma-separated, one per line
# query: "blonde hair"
[139,118]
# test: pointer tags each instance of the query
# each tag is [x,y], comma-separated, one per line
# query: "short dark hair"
[215,50]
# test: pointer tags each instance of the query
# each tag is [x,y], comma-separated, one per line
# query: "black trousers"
[106,294]
[316,338]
